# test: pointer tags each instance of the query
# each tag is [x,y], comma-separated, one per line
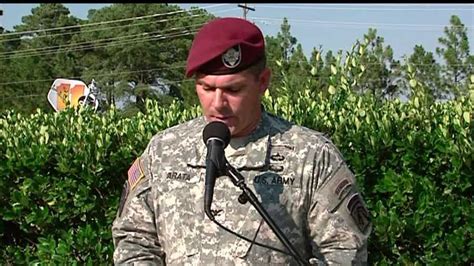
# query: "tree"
[279,52]
[455,51]
[39,55]
[427,72]
[380,69]
[298,63]
[5,77]
[319,78]
[288,42]
[142,51]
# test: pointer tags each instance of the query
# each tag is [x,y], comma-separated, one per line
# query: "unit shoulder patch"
[359,212]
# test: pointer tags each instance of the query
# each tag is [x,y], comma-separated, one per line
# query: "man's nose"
[220,100]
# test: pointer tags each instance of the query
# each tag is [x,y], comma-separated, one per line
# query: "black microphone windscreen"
[216,129]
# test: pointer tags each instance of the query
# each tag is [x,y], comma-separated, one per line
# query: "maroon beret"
[224,46]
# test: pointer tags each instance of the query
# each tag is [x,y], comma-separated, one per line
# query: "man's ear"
[264,80]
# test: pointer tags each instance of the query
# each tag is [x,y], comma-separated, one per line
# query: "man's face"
[233,99]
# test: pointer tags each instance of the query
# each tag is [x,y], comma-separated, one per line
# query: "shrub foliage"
[62,173]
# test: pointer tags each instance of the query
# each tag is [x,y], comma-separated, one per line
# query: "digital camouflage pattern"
[298,175]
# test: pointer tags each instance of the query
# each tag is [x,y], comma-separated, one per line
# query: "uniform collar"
[249,152]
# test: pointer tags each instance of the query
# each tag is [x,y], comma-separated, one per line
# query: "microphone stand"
[248,194]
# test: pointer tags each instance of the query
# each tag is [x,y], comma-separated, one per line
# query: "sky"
[331,26]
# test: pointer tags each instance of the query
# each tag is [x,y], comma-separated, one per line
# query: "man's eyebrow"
[202,82]
[236,83]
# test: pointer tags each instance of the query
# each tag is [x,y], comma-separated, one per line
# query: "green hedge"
[61,175]
[414,162]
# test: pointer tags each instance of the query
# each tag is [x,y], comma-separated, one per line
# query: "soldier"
[297,174]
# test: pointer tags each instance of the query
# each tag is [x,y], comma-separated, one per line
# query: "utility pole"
[246,9]
[1,14]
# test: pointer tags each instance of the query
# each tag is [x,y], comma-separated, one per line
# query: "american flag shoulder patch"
[135,174]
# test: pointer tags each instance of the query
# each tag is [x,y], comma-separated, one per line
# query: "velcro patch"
[135,174]
[342,188]
[123,198]
[359,212]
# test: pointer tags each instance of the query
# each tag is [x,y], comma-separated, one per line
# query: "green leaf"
[467,117]
[357,123]
[416,102]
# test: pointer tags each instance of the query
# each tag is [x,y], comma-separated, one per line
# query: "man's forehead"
[221,80]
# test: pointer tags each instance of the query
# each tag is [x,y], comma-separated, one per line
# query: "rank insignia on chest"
[135,174]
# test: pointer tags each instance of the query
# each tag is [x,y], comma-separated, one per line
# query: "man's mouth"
[221,118]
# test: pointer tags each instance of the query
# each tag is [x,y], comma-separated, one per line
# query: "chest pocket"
[180,212]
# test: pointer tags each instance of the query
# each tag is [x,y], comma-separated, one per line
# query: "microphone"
[216,136]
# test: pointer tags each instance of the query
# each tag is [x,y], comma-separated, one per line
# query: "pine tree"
[455,51]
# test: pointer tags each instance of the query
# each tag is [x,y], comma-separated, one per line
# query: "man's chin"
[227,122]
[230,126]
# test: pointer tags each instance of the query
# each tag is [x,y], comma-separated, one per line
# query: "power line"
[102,29]
[116,27]
[86,47]
[357,8]
[103,22]
[22,96]
[343,27]
[351,23]
[32,51]
[90,24]
[103,45]
[190,29]
[381,4]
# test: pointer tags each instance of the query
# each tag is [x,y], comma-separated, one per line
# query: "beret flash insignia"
[232,57]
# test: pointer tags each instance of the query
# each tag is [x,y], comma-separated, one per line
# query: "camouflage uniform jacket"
[296,173]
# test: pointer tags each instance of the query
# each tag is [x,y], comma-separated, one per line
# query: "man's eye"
[234,89]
